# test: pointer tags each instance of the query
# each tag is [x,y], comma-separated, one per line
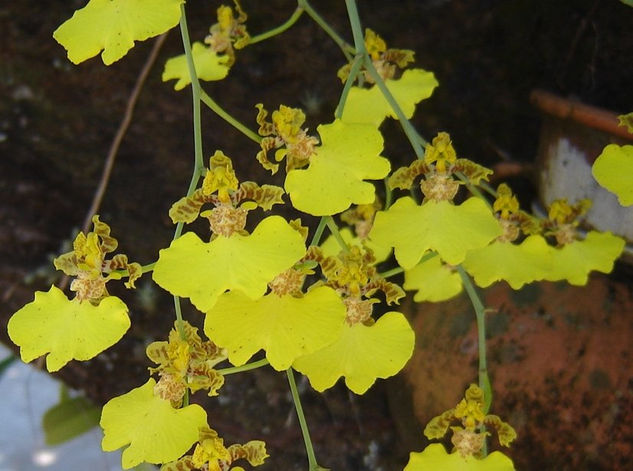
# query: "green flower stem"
[472,188]
[246,367]
[392,272]
[144,269]
[195,89]
[488,189]
[279,29]
[348,50]
[398,270]
[198,165]
[480,312]
[357,30]
[388,194]
[147,268]
[318,233]
[181,332]
[413,136]
[353,73]
[312,462]
[335,232]
[217,109]
[197,126]
[179,320]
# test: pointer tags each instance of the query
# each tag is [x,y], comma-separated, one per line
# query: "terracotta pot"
[560,361]
[572,137]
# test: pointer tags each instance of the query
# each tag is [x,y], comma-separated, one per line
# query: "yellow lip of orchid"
[361,354]
[66,329]
[438,226]
[112,26]
[154,430]
[202,271]
[348,156]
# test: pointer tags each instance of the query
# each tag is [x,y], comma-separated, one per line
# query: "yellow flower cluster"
[469,436]
[352,273]
[562,220]
[386,61]
[210,454]
[229,33]
[87,262]
[185,363]
[285,134]
[231,200]
[439,167]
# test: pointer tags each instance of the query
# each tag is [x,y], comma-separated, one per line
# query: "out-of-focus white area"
[25,395]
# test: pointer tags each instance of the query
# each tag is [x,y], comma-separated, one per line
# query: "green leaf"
[69,419]
[448,229]
[209,66]
[153,429]
[517,264]
[435,458]
[627,2]
[613,169]
[368,105]
[434,280]
[349,154]
[113,26]
[69,330]
[202,271]
[285,326]
[6,362]
[361,354]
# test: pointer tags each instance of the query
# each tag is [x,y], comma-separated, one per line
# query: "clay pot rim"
[590,116]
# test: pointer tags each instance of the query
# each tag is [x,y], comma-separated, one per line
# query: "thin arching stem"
[412,135]
[312,462]
[246,367]
[353,73]
[195,90]
[480,313]
[279,29]
[347,50]
[331,224]
[318,233]
[222,113]
[197,125]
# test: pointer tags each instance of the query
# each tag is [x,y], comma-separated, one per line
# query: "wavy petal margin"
[67,330]
[335,179]
[284,326]
[435,458]
[368,105]
[202,271]
[361,355]
[113,26]
[153,429]
[613,169]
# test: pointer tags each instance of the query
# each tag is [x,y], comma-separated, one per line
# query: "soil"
[57,121]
